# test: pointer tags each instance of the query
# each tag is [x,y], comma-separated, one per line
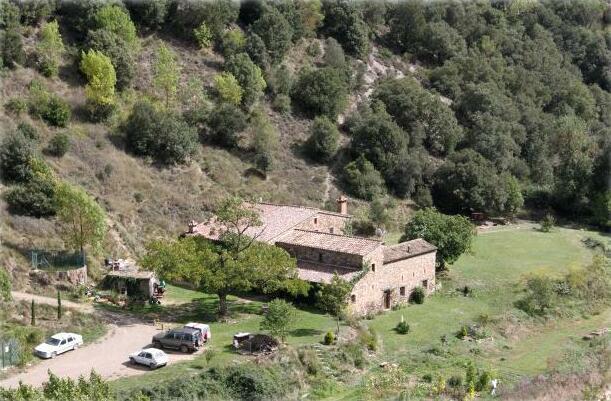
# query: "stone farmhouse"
[383,275]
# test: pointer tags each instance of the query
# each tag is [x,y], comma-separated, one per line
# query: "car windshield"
[53,341]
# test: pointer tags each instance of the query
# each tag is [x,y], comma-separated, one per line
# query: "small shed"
[131,283]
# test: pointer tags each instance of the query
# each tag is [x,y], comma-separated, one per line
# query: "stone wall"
[325,222]
[323,256]
[73,276]
[368,295]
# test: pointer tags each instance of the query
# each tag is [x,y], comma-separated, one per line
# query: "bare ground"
[107,356]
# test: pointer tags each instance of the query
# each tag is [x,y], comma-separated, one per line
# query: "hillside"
[500,109]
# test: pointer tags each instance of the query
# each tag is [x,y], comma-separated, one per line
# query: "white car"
[151,357]
[204,331]
[58,344]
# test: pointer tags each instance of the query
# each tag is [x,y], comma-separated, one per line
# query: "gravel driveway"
[108,356]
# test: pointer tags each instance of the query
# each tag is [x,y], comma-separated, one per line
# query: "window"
[425,284]
[63,342]
[373,267]
[402,291]
[320,257]
[315,220]
[353,298]
[331,230]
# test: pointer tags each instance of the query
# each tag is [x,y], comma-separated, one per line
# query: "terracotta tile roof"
[323,273]
[330,242]
[407,249]
[277,220]
[138,275]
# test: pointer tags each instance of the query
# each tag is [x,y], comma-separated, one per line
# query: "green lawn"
[496,265]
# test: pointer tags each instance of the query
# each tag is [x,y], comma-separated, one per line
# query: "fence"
[10,351]
[57,260]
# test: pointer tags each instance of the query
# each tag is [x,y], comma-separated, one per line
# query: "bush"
[35,198]
[59,145]
[324,139]
[226,124]
[16,153]
[363,180]
[28,131]
[309,359]
[12,48]
[417,296]
[547,223]
[228,88]
[251,382]
[321,92]
[454,381]
[57,112]
[120,54]
[16,105]
[329,338]
[248,75]
[402,327]
[163,135]
[203,36]
[282,104]
[368,338]
[353,353]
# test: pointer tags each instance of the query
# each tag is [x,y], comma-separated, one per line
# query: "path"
[39,299]
[108,356]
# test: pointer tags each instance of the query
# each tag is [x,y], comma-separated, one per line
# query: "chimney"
[342,205]
[192,225]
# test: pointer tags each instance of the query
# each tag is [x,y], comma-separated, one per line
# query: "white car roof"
[61,336]
[153,351]
[198,325]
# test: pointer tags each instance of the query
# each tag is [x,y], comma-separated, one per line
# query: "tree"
[33,314]
[217,14]
[321,92]
[279,318]
[324,139]
[276,33]
[452,235]
[12,48]
[166,72]
[49,48]
[59,305]
[161,135]
[119,52]
[35,198]
[332,298]
[343,21]
[101,77]
[16,153]
[363,180]
[150,14]
[249,77]
[265,140]
[226,124]
[232,42]
[255,48]
[5,286]
[237,262]
[59,145]
[116,20]
[203,35]
[83,220]
[228,88]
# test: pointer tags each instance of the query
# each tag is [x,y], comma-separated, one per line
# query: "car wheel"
[53,355]
[184,348]
[152,365]
[75,347]
[157,344]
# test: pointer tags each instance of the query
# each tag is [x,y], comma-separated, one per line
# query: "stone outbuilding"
[382,275]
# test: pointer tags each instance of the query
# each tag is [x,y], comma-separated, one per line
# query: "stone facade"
[333,223]
[390,284]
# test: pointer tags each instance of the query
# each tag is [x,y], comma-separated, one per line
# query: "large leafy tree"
[343,21]
[116,20]
[119,52]
[324,139]
[83,220]
[452,235]
[235,263]
[276,33]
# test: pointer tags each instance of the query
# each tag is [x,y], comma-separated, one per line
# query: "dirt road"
[39,299]
[107,356]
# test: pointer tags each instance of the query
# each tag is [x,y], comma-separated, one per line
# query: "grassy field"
[494,269]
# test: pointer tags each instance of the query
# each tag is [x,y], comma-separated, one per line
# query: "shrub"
[353,353]
[226,124]
[279,319]
[5,286]
[248,75]
[540,296]
[417,296]
[547,223]
[163,135]
[454,381]
[368,338]
[203,36]
[282,104]
[321,92]
[16,105]
[228,88]
[120,54]
[59,145]
[28,131]
[57,112]
[309,359]
[329,338]
[363,180]
[232,42]
[324,139]
[276,33]
[483,382]
[402,327]
[12,48]
[16,153]
[251,382]
[463,332]
[35,198]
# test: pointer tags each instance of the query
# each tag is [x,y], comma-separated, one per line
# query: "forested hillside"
[147,112]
